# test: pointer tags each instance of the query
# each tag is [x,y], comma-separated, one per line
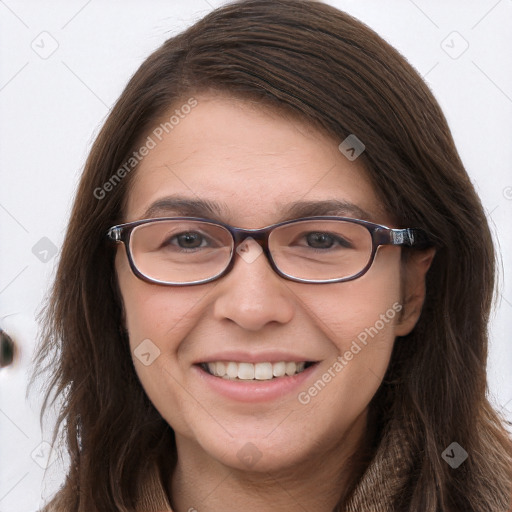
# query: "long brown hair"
[313,61]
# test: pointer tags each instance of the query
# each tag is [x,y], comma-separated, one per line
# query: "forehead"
[249,164]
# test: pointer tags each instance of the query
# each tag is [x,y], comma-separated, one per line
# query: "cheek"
[359,318]
[348,310]
[153,311]
[362,335]
[157,319]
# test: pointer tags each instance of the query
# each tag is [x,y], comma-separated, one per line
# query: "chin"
[258,455]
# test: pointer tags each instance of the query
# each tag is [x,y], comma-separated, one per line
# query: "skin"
[255,161]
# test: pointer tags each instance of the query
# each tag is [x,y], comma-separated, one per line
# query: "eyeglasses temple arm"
[410,237]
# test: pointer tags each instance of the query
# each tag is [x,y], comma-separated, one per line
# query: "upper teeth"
[250,371]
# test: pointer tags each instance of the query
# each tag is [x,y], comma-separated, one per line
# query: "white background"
[51,109]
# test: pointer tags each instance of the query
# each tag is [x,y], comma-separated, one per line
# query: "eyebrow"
[189,207]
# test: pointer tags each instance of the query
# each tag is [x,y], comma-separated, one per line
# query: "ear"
[414,269]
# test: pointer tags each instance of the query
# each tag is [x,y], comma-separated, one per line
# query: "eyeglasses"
[179,251]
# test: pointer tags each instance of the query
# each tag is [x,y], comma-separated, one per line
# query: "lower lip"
[255,390]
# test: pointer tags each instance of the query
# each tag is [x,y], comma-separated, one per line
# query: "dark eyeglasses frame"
[381,235]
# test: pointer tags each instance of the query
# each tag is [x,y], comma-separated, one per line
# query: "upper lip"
[261,357]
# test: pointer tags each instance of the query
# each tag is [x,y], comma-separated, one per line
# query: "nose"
[252,294]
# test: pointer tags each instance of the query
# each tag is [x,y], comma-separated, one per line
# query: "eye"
[187,240]
[323,240]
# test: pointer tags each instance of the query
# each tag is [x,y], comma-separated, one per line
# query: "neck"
[317,482]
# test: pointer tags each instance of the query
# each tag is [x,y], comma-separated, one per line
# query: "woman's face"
[254,164]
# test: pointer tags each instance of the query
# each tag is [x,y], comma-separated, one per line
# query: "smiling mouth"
[231,370]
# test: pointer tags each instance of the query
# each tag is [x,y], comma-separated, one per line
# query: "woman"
[275,284]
